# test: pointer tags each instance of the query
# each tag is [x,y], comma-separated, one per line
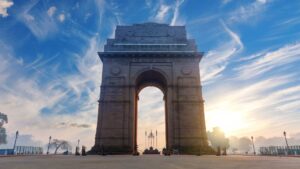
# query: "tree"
[60,144]
[234,143]
[217,138]
[3,119]
[245,144]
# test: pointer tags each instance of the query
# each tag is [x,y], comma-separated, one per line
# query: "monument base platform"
[193,150]
[119,150]
[110,150]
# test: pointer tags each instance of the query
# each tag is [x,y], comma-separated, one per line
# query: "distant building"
[280,150]
[6,151]
[3,120]
[22,150]
[28,150]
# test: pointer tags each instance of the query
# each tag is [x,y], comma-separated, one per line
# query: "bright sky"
[50,72]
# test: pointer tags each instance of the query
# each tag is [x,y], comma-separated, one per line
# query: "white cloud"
[262,1]
[275,141]
[253,107]
[245,12]
[87,16]
[4,5]
[265,104]
[51,11]
[25,95]
[234,36]
[23,140]
[267,61]
[28,96]
[176,12]
[167,12]
[61,17]
[226,1]
[216,60]
[39,23]
[162,13]
[148,3]
[100,4]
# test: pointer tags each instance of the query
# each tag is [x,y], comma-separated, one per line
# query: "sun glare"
[230,121]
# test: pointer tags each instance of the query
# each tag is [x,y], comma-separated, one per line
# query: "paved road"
[149,162]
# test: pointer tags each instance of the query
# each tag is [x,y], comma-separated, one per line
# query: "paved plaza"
[149,162]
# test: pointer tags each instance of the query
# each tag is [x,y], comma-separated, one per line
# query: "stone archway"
[143,55]
[156,79]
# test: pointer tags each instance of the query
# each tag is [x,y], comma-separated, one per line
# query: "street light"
[17,134]
[49,145]
[287,145]
[253,146]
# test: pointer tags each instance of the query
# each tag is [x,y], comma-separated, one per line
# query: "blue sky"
[50,72]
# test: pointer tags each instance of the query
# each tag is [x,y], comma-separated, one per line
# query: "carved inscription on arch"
[113,88]
[186,89]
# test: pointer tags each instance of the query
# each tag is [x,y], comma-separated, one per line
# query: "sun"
[229,120]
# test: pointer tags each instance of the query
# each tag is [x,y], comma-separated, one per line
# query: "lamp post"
[287,145]
[253,146]
[49,144]
[17,134]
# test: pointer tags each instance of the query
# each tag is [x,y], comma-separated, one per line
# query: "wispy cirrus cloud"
[245,12]
[39,23]
[251,103]
[267,61]
[162,13]
[235,37]
[43,104]
[226,1]
[176,12]
[216,60]
[48,96]
[148,3]
[266,85]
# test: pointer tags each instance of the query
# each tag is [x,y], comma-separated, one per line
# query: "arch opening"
[151,118]
[150,111]
[151,78]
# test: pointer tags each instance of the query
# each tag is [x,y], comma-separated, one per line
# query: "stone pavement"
[149,162]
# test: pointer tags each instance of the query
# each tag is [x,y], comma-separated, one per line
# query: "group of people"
[83,151]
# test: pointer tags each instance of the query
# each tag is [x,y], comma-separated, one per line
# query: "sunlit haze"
[151,117]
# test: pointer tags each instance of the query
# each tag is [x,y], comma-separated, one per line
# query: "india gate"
[143,55]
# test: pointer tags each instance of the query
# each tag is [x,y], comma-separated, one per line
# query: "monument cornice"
[152,54]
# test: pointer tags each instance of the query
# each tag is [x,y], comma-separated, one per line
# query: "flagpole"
[151,138]
[156,138]
[145,139]
[148,141]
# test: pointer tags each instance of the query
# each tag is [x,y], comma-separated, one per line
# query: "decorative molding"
[115,70]
[186,70]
